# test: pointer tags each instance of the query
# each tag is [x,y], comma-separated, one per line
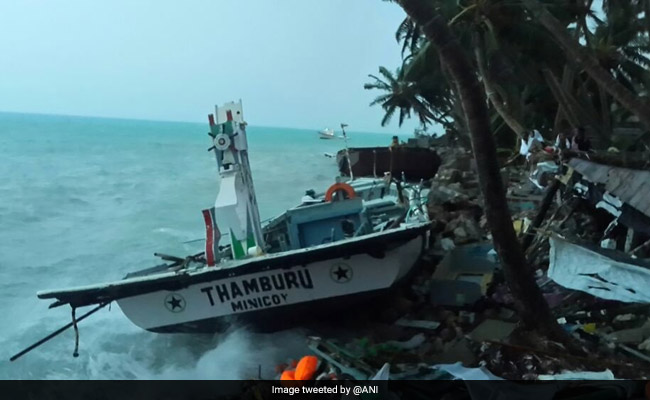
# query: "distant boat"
[327,133]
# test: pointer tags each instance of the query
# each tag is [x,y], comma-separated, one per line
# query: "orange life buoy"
[340,187]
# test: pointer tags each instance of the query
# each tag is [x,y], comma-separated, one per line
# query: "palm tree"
[493,92]
[589,62]
[619,43]
[530,304]
[410,34]
[506,52]
[401,95]
[423,67]
[431,78]
[527,82]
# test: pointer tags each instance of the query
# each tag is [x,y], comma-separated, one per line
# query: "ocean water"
[86,200]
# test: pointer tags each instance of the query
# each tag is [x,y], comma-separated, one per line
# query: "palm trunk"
[493,96]
[574,51]
[605,111]
[459,118]
[528,300]
[568,75]
[645,7]
[575,112]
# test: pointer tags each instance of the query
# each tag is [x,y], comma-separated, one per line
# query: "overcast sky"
[295,63]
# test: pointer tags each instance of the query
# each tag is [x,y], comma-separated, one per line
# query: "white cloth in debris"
[567,143]
[529,144]
[459,371]
[479,387]
[577,267]
[383,374]
[579,375]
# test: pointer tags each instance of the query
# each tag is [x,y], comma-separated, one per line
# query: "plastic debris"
[412,343]
[418,324]
[458,371]
[579,375]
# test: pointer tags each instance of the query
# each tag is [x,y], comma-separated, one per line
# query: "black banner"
[261,390]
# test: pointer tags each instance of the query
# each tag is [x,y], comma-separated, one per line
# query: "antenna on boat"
[236,203]
[347,152]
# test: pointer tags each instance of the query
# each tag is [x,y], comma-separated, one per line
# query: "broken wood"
[640,247]
[541,214]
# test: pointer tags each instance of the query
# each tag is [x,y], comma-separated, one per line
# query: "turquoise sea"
[85,200]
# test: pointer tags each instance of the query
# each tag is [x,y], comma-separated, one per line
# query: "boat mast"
[347,152]
[236,204]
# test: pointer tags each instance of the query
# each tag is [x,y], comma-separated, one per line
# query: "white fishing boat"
[352,242]
[327,133]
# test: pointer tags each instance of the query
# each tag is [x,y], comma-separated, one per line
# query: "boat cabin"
[313,224]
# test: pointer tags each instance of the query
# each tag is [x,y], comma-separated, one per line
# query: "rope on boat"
[59,331]
[374,163]
[75,353]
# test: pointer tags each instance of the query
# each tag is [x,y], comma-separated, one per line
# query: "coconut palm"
[589,62]
[429,75]
[530,303]
[621,45]
[528,79]
[410,35]
[400,95]
[506,49]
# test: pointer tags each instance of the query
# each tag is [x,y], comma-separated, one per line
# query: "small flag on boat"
[212,236]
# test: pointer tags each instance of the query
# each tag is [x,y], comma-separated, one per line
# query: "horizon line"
[168,121]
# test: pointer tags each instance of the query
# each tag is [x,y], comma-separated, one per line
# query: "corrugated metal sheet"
[630,185]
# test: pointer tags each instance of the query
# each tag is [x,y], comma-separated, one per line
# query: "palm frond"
[380,99]
[403,28]
[388,75]
[389,114]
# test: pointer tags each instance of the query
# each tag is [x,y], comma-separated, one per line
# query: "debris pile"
[589,251]
[453,201]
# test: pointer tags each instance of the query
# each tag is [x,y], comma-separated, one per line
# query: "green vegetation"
[541,64]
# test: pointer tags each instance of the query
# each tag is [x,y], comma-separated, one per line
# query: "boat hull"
[274,297]
[414,162]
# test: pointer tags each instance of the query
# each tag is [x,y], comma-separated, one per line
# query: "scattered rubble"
[457,319]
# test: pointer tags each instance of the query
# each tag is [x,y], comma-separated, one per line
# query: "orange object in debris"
[288,375]
[306,368]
